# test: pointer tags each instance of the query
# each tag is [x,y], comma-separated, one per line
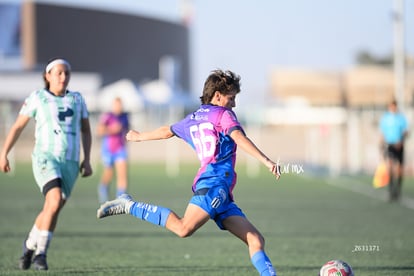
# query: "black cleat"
[26,259]
[39,262]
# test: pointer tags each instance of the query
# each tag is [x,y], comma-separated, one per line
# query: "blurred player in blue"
[112,127]
[62,123]
[393,127]
[214,132]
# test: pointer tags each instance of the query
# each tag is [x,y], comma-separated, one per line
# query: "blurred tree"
[364,57]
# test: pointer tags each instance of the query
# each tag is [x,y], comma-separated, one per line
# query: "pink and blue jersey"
[114,142]
[207,131]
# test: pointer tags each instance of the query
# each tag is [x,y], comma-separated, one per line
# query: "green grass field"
[306,221]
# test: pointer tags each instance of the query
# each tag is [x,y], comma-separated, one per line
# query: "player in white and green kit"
[61,124]
[57,136]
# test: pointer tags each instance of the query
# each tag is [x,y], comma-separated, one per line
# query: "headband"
[56,62]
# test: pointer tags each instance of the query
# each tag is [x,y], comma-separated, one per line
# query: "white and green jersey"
[58,122]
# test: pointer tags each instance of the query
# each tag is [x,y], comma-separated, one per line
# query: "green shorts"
[47,167]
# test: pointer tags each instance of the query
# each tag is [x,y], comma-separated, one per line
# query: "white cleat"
[118,206]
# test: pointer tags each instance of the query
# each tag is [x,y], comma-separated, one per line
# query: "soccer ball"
[336,268]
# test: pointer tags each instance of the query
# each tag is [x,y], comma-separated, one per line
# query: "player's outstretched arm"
[160,133]
[11,139]
[249,147]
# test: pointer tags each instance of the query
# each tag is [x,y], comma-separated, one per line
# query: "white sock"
[43,241]
[31,241]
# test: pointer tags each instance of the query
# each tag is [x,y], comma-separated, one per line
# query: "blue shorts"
[217,203]
[109,158]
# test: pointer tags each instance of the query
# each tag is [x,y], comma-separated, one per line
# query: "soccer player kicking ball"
[214,132]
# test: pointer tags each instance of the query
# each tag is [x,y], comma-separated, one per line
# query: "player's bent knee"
[183,235]
[256,240]
[185,232]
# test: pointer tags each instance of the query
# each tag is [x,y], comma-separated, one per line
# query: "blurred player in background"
[214,132]
[113,126]
[393,128]
[62,123]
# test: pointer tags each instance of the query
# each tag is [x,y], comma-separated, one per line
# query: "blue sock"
[120,191]
[263,264]
[154,214]
[103,191]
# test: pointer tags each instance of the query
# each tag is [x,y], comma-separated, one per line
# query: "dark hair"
[47,84]
[223,81]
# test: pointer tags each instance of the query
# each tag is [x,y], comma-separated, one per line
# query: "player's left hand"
[85,168]
[276,170]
